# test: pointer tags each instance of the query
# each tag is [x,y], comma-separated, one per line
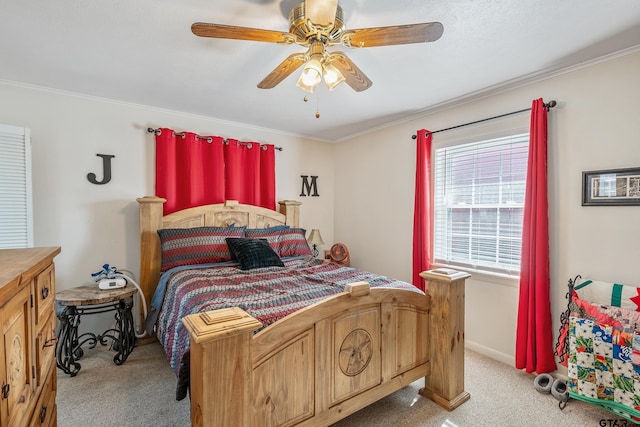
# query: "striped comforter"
[268,294]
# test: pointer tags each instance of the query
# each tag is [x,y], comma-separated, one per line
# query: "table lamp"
[315,240]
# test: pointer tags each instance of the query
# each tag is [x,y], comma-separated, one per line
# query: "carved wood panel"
[412,338]
[283,384]
[226,219]
[355,352]
[263,221]
[16,336]
[356,362]
[188,222]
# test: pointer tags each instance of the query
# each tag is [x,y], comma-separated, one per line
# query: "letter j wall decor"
[106,168]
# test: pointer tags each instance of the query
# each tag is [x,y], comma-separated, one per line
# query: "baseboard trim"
[489,352]
[561,372]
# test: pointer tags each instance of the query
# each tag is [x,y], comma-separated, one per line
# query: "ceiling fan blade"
[282,71]
[203,29]
[397,34]
[353,76]
[321,12]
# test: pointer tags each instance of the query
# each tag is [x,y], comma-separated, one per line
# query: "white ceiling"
[143,52]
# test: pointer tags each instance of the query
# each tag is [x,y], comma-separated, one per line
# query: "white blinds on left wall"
[16,217]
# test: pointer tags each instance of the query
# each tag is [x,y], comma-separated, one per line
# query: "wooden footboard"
[328,360]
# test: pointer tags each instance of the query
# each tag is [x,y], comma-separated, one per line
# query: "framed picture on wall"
[613,187]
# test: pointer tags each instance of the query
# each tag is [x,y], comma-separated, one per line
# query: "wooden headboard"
[218,215]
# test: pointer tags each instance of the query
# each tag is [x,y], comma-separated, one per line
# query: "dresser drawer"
[45,347]
[45,412]
[44,294]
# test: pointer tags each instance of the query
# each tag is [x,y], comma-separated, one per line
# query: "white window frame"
[446,253]
[16,193]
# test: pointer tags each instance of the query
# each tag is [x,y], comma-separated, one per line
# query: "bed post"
[220,360]
[445,384]
[291,209]
[150,223]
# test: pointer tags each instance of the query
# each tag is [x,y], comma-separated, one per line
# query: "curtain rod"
[548,105]
[208,138]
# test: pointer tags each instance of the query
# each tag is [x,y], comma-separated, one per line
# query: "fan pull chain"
[306,99]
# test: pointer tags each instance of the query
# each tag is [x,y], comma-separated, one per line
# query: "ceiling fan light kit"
[318,68]
[318,24]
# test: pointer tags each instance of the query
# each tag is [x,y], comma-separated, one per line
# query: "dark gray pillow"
[253,253]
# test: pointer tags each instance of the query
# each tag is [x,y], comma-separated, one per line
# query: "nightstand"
[86,300]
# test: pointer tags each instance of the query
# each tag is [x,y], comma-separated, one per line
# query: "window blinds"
[478,203]
[16,219]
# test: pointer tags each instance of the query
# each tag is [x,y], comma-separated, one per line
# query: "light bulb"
[332,76]
[311,75]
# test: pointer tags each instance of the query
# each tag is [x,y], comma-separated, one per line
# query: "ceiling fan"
[318,24]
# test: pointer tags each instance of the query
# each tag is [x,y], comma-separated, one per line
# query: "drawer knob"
[45,293]
[50,343]
[43,414]
[5,390]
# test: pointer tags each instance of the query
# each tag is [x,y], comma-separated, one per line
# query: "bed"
[362,340]
[599,343]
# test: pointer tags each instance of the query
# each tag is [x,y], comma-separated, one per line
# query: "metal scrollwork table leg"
[69,346]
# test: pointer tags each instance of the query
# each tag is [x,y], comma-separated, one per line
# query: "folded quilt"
[604,357]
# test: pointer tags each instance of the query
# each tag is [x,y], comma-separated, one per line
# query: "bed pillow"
[293,243]
[274,228]
[253,253]
[271,234]
[198,245]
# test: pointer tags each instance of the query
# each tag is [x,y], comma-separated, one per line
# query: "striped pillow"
[293,243]
[270,234]
[199,245]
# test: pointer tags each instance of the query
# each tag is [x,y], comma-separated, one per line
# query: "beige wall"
[593,127]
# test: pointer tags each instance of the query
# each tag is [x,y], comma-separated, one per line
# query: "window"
[479,204]
[16,222]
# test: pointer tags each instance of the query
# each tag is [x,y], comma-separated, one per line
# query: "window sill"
[484,276]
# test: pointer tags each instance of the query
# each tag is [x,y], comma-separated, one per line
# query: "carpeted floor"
[141,393]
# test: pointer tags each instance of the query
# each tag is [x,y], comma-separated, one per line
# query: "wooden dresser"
[28,338]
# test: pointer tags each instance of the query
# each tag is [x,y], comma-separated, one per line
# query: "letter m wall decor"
[309,188]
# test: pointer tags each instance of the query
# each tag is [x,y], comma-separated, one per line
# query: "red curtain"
[534,336]
[422,216]
[193,170]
